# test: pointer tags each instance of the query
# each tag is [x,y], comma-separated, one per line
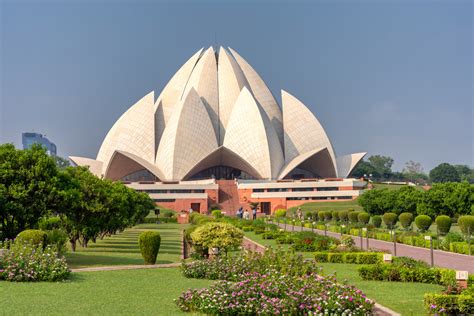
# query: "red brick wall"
[185,204]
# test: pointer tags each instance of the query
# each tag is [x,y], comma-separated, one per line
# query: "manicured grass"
[403,297]
[328,206]
[122,249]
[128,292]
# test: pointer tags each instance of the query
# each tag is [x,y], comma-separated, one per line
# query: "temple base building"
[216,136]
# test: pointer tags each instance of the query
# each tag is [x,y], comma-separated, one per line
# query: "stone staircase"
[228,196]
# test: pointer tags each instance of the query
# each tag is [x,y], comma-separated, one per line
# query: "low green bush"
[449,304]
[57,239]
[32,236]
[389,219]
[343,216]
[466,224]
[363,218]
[350,257]
[327,216]
[423,222]
[353,216]
[280,213]
[321,215]
[335,257]
[443,223]
[223,236]
[449,238]
[28,262]
[217,214]
[406,219]
[149,243]
[49,223]
[377,221]
[461,247]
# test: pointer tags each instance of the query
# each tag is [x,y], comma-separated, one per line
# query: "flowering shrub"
[276,293]
[235,267]
[309,241]
[24,262]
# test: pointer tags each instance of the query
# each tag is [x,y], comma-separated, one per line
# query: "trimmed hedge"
[353,216]
[466,224]
[377,221]
[423,222]
[343,216]
[280,213]
[363,217]
[33,237]
[217,214]
[149,242]
[444,224]
[389,219]
[349,257]
[461,247]
[406,219]
[448,304]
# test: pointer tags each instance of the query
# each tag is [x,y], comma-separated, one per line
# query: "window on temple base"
[196,207]
[265,207]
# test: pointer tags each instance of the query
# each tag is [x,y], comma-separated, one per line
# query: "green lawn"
[328,206]
[122,249]
[405,298]
[128,292]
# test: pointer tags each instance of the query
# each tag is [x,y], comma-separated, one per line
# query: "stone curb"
[381,310]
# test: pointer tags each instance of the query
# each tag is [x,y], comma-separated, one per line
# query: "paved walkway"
[441,258]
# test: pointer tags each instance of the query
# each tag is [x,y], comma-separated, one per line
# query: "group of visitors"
[245,214]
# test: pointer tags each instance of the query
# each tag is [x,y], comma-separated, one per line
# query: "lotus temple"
[216,135]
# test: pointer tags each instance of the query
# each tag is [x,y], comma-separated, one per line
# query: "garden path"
[441,258]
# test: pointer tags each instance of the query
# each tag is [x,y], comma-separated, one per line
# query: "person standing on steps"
[246,215]
[254,213]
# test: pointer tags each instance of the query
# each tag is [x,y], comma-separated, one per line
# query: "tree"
[412,167]
[27,188]
[413,172]
[382,164]
[452,199]
[364,168]
[465,173]
[444,173]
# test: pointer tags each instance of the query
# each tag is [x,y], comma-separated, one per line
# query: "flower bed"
[349,257]
[24,262]
[449,304]
[276,293]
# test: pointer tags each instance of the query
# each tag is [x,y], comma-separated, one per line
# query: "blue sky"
[387,77]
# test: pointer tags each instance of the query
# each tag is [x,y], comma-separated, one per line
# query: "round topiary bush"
[377,221]
[363,217]
[217,214]
[406,219]
[149,243]
[389,219]
[33,237]
[327,216]
[280,213]
[466,224]
[423,222]
[444,224]
[343,216]
[321,215]
[223,236]
[353,216]
[335,215]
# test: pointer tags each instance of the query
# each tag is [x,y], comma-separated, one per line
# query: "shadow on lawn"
[82,260]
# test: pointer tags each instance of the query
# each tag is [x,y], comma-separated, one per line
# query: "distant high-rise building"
[28,139]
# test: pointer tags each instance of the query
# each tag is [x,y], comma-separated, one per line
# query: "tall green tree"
[444,173]
[465,172]
[382,164]
[28,181]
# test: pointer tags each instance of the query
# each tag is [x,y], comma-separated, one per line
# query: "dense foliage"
[32,188]
[423,222]
[223,236]
[149,243]
[443,223]
[442,199]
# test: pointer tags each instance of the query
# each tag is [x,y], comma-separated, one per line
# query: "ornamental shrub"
[32,236]
[389,219]
[423,222]
[57,239]
[149,242]
[449,304]
[27,262]
[223,236]
[363,218]
[377,221]
[217,214]
[280,213]
[443,223]
[49,223]
[466,224]
[406,219]
[449,238]
[327,216]
[321,215]
[335,215]
[353,216]
[343,216]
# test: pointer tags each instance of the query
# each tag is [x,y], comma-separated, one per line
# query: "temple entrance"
[196,207]
[265,208]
